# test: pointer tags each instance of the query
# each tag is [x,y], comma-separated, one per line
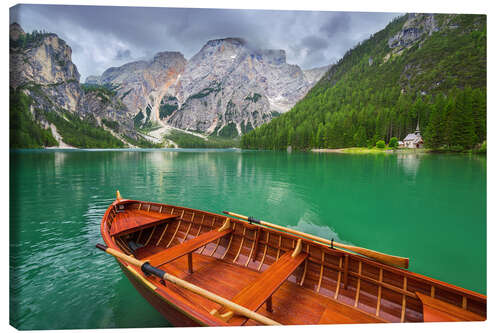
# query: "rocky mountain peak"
[237,41]
[235,46]
[168,57]
[225,49]
[272,57]
[230,87]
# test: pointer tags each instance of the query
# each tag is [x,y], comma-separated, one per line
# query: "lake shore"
[361,150]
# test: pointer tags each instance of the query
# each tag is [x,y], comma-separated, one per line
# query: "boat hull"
[173,315]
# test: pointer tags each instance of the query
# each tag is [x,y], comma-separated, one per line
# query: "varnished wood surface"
[355,288]
[291,304]
[438,311]
[127,222]
[186,247]
[178,310]
[259,290]
[382,257]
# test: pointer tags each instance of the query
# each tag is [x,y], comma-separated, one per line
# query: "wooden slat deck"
[262,288]
[186,247]
[133,220]
[292,304]
[436,310]
[333,287]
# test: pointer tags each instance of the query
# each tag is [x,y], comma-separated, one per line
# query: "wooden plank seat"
[186,247]
[436,310]
[128,222]
[261,289]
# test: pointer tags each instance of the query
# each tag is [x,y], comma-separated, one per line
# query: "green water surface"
[430,208]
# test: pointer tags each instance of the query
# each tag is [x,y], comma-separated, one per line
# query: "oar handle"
[381,257]
[121,255]
[147,268]
[243,217]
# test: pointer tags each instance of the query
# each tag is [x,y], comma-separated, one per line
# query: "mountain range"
[225,90]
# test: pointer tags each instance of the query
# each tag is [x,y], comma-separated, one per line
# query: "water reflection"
[409,163]
[305,225]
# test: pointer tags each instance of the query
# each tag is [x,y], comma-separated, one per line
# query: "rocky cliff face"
[415,29]
[41,58]
[227,88]
[143,84]
[44,61]
[41,66]
[313,75]
[105,108]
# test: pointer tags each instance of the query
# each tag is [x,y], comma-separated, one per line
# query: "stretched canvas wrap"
[229,167]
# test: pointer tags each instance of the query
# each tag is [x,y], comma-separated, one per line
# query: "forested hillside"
[426,69]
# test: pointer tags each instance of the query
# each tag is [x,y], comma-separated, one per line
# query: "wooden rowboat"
[204,269]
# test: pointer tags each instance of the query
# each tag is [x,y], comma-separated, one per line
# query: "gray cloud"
[101,37]
[314,43]
[335,24]
[123,55]
[313,48]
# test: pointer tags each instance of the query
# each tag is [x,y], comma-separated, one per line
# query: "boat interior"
[300,281]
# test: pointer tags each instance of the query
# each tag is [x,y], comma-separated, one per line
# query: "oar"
[149,269]
[382,257]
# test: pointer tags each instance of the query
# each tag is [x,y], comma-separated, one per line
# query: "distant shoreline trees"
[372,94]
[454,120]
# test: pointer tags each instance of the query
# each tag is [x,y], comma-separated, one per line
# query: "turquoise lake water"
[430,208]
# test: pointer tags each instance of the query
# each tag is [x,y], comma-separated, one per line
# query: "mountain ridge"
[126,102]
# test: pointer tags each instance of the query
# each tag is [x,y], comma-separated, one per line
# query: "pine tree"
[467,136]
[435,130]
[479,113]
[453,125]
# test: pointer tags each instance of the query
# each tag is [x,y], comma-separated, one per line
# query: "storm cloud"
[102,37]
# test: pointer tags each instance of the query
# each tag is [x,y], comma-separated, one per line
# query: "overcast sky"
[102,37]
